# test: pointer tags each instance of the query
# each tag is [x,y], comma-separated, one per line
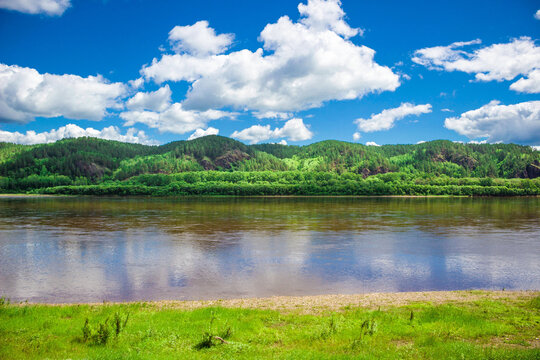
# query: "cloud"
[326,15]
[272,115]
[157,100]
[301,65]
[73,131]
[254,134]
[49,7]
[405,76]
[386,119]
[500,123]
[199,39]
[174,119]
[200,133]
[137,83]
[356,136]
[26,94]
[372,143]
[495,62]
[293,130]
[537,15]
[530,85]
[537,148]
[438,57]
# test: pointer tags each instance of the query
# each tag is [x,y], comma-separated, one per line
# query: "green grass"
[488,329]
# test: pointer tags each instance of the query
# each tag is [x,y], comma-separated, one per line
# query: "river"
[84,249]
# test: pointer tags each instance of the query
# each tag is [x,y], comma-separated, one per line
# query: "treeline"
[216,165]
[299,183]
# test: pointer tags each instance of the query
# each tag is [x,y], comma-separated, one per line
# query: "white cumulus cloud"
[477,142]
[495,62]
[157,100]
[199,39]
[530,84]
[385,120]
[372,143]
[132,135]
[326,15]
[200,133]
[537,15]
[49,7]
[500,123]
[293,130]
[174,119]
[301,65]
[26,94]
[272,115]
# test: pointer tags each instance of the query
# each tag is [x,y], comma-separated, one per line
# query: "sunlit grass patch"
[484,329]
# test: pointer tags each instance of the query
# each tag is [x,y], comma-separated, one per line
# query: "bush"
[102,333]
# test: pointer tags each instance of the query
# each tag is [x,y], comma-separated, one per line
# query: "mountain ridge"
[95,158]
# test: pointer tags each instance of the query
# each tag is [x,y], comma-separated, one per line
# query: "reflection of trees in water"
[211,216]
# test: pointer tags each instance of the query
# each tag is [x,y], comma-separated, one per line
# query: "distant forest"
[216,165]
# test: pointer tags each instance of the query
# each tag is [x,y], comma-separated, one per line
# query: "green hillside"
[219,165]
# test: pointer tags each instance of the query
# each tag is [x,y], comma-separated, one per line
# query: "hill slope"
[90,161]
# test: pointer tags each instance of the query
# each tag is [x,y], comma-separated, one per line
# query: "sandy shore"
[323,303]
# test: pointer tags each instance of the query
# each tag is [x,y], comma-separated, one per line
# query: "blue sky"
[367,71]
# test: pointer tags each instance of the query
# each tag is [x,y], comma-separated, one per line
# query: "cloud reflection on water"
[60,250]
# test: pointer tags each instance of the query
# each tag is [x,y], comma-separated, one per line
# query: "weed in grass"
[324,331]
[226,333]
[368,328]
[86,330]
[102,334]
[535,303]
[4,301]
[209,339]
[119,324]
[206,342]
[212,337]
[332,325]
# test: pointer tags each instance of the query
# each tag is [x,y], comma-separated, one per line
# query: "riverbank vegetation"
[478,326]
[215,165]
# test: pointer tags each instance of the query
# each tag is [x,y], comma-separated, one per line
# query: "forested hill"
[90,161]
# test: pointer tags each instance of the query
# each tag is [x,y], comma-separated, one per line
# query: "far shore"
[257,196]
[30,195]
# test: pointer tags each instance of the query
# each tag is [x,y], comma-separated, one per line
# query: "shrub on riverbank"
[295,183]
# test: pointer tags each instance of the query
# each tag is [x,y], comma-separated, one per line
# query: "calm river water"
[94,249]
